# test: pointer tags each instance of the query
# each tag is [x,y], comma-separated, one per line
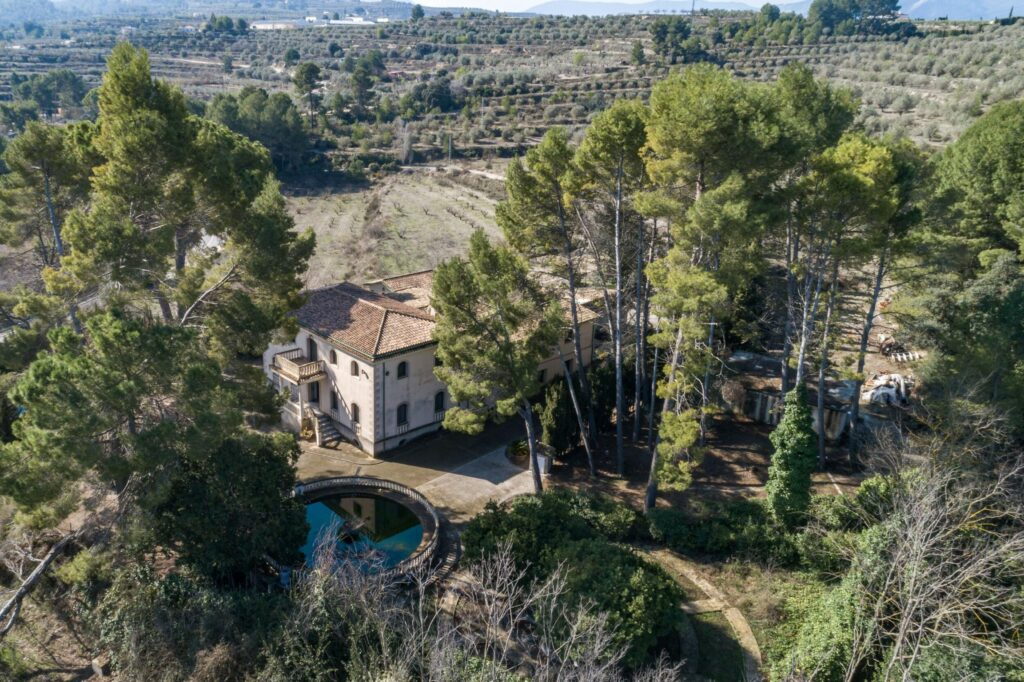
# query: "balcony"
[296,368]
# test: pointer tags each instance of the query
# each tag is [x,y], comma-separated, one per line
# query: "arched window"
[403,370]
[439,401]
[334,357]
[355,368]
[403,414]
[355,413]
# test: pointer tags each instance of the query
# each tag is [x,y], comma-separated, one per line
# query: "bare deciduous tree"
[489,623]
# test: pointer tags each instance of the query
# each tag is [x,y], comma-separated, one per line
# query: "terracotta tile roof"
[372,325]
[414,289]
[583,313]
[414,280]
[414,296]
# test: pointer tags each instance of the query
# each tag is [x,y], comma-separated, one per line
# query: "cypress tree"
[793,460]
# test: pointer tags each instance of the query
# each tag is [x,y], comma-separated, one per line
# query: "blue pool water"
[366,528]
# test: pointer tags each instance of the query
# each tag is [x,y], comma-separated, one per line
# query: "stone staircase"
[327,432]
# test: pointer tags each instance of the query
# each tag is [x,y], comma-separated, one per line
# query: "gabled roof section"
[412,289]
[361,321]
[424,279]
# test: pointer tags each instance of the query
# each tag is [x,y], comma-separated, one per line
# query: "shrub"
[88,572]
[613,520]
[559,428]
[827,553]
[578,530]
[824,642]
[177,626]
[741,527]
[642,602]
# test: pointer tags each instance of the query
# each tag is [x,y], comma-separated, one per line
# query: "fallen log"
[9,611]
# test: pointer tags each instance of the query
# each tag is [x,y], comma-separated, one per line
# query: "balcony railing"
[293,365]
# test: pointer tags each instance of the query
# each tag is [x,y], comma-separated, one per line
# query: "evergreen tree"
[609,172]
[637,55]
[980,183]
[536,220]
[307,79]
[793,460]
[270,119]
[151,400]
[493,330]
[559,426]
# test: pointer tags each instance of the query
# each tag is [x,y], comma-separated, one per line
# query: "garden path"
[678,567]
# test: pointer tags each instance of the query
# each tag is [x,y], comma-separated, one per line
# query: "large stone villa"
[362,363]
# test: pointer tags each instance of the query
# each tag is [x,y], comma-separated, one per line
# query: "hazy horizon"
[523,5]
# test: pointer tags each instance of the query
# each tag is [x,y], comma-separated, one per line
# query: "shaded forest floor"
[735,464]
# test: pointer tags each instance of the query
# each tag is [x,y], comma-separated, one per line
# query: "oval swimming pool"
[364,527]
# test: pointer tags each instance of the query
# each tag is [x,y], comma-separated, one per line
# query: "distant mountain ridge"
[918,9]
[958,9]
[598,8]
[16,11]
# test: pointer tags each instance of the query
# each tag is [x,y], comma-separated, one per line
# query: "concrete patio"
[459,474]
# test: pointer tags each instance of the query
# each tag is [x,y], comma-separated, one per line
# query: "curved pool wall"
[356,487]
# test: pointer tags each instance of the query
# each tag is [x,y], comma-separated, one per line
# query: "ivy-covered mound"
[581,532]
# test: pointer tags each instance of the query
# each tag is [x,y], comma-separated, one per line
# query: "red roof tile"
[370,324]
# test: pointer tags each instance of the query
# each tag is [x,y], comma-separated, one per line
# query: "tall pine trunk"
[792,254]
[579,414]
[526,412]
[638,343]
[810,314]
[651,399]
[707,381]
[865,336]
[58,245]
[577,345]
[620,398]
[651,494]
[823,361]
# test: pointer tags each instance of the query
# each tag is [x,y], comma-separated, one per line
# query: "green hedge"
[736,528]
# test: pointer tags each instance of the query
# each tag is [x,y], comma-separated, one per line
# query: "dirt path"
[681,570]
[457,169]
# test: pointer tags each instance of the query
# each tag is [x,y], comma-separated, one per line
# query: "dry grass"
[406,222]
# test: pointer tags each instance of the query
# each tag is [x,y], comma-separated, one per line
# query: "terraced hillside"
[514,77]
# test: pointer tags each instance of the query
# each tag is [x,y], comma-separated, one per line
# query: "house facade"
[361,367]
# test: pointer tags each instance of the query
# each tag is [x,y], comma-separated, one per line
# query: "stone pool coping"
[421,507]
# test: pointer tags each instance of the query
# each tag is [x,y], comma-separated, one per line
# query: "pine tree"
[535,219]
[610,171]
[152,399]
[493,330]
[306,79]
[794,458]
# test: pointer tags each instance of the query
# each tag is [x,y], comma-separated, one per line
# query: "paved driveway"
[457,473]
